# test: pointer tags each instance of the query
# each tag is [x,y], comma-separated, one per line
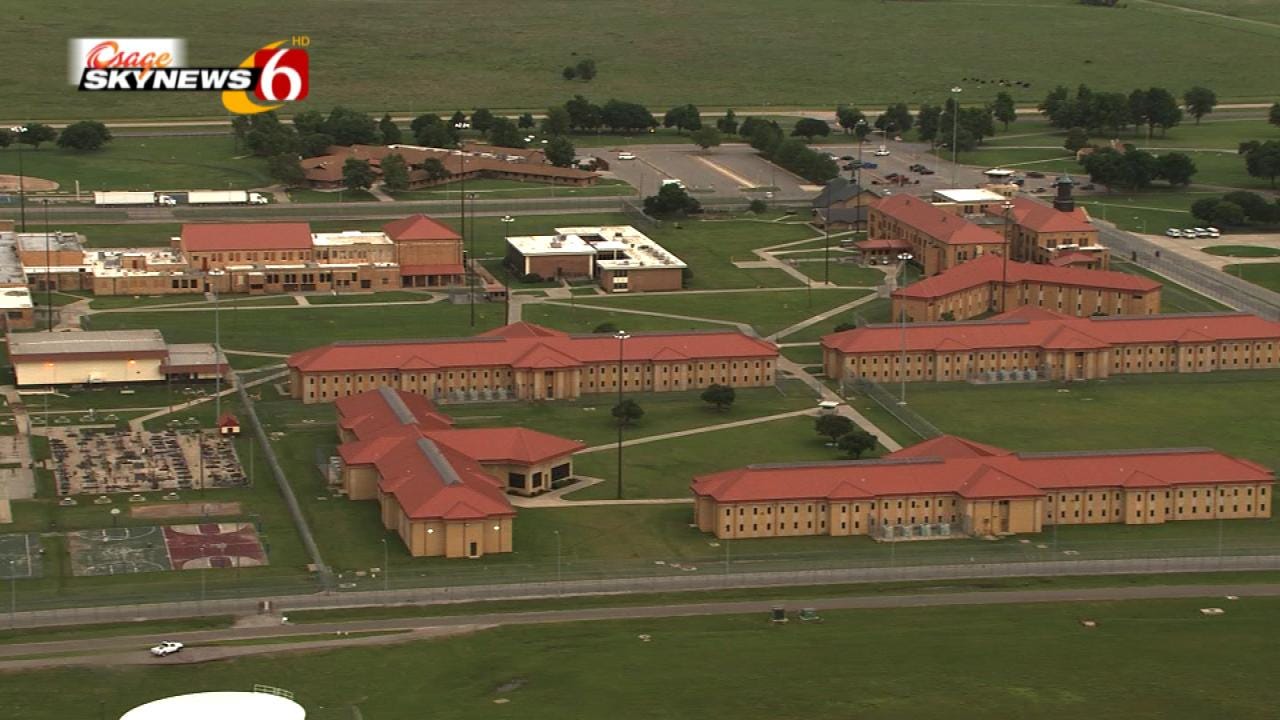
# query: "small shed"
[229,425]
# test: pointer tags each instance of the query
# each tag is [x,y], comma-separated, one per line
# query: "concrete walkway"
[823,316]
[20,483]
[795,370]
[699,430]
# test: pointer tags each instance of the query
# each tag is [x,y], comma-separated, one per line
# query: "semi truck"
[132,198]
[225,197]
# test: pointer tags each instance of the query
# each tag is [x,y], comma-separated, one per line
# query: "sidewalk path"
[699,430]
[794,369]
[822,316]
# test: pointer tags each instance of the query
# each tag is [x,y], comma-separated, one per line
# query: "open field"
[1225,410]
[1150,212]
[125,235]
[150,163]
[841,273]
[586,319]
[766,312]
[710,247]
[551,671]
[642,54]
[288,330]
[1265,274]
[1242,251]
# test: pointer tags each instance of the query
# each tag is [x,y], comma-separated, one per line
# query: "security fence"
[912,419]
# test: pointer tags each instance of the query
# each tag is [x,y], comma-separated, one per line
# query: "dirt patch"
[185,510]
[9,183]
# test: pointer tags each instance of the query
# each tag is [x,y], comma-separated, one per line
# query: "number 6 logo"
[284,75]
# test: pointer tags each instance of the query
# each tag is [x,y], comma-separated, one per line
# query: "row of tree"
[1136,169]
[1237,208]
[790,153]
[85,135]
[1112,112]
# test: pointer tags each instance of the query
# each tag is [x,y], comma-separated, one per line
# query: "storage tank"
[220,706]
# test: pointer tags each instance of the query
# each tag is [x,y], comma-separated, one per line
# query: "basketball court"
[20,556]
[214,545]
[121,551]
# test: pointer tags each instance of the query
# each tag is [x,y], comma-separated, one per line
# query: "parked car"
[166,648]
[1188,232]
[1173,233]
[925,171]
[1034,174]
[624,155]
[892,177]
[867,165]
[846,157]
[1214,234]
[915,167]
[881,151]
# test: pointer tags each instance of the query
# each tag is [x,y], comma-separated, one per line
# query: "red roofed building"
[989,283]
[443,490]
[939,239]
[950,486]
[529,362]
[428,251]
[1040,233]
[1031,340]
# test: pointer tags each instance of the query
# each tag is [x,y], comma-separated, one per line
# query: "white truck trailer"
[130,198]
[225,197]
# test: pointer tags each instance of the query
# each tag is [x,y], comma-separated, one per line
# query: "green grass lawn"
[766,312]
[499,269]
[873,311]
[279,330]
[588,420]
[559,670]
[577,318]
[641,54]
[117,396]
[1243,251]
[1224,410]
[841,273]
[1265,274]
[807,355]
[196,300]
[150,163]
[302,195]
[710,247]
[390,296]
[1174,298]
[1150,212]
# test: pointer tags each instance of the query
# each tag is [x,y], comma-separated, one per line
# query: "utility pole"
[622,338]
[903,258]
[1004,266]
[955,130]
[48,268]
[19,130]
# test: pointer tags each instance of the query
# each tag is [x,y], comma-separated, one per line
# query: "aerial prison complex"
[523,361]
[442,489]
[949,487]
[1035,343]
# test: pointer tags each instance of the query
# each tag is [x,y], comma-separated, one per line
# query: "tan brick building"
[442,489]
[1039,233]
[990,284]
[529,362]
[1035,342]
[949,486]
[938,239]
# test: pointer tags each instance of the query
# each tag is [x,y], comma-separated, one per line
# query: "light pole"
[955,129]
[13,593]
[115,517]
[1004,267]
[903,259]
[48,265]
[622,337]
[858,132]
[826,236]
[506,221]
[386,567]
[22,187]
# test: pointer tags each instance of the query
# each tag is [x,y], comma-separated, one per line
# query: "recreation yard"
[1150,658]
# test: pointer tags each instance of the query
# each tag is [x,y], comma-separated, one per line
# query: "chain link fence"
[882,397]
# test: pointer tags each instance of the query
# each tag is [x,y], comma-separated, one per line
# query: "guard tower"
[1064,202]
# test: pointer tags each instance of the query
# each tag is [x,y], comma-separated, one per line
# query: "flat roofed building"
[968,201]
[529,362]
[950,486]
[991,284]
[1038,343]
[620,257]
[442,489]
[108,356]
[17,312]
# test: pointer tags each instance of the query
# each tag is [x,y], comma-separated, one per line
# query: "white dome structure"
[219,706]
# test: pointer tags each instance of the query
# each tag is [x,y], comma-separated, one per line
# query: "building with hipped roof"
[950,486]
[990,284]
[442,489]
[472,162]
[1039,343]
[529,362]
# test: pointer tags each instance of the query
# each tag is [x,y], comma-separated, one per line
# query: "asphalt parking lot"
[724,171]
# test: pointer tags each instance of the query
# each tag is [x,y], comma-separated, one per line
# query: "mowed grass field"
[143,163]
[1265,274]
[1151,658]
[745,53]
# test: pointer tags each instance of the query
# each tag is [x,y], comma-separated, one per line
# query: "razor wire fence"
[904,414]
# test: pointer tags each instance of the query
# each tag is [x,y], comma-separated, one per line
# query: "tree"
[526,121]
[1200,101]
[84,135]
[1255,207]
[705,137]
[389,130]
[435,170]
[568,73]
[395,173]
[431,131]
[766,137]
[556,122]
[268,136]
[683,117]
[457,119]
[36,134]
[1175,168]
[1131,170]
[1203,209]
[286,170]
[722,396]
[856,442]
[627,412]
[1262,159]
[833,426]
[583,114]
[349,127]
[928,123]
[240,126]
[1227,213]
[6,137]
[1110,113]
[848,118]
[1138,109]
[671,200]
[1004,109]
[621,116]
[560,152]
[809,128]
[314,144]
[728,124]
[897,118]
[1077,139]
[1273,116]
[504,133]
[605,328]
[481,120]
[357,174]
[308,122]
[586,69]
[1162,110]
[757,206]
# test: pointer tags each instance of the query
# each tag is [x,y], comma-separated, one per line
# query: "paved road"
[132,649]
